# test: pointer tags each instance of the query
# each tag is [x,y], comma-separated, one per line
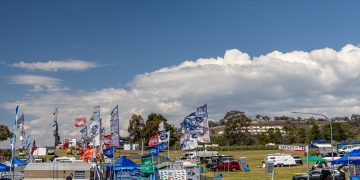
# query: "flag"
[28,141]
[94,127]
[33,148]
[161,147]
[88,153]
[20,121]
[154,151]
[164,136]
[147,165]
[195,127]
[107,140]
[154,140]
[79,122]
[161,126]
[55,128]
[109,152]
[114,121]
[114,124]
[84,137]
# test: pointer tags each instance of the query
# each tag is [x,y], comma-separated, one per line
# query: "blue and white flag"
[28,141]
[109,152]
[162,147]
[195,127]
[164,136]
[154,150]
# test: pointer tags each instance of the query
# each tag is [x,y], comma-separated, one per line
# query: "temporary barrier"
[172,174]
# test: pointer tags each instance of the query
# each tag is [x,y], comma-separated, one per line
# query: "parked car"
[320,174]
[298,160]
[227,165]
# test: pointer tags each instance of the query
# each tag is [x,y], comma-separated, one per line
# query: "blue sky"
[129,38]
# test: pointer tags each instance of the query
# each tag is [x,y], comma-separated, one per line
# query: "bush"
[240,148]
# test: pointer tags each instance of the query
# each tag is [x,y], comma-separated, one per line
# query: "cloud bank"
[64,65]
[320,81]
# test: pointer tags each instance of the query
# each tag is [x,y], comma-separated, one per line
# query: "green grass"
[254,158]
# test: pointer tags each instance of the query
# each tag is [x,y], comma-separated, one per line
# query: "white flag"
[165,136]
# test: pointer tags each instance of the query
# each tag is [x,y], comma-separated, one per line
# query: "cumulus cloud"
[321,81]
[38,83]
[64,65]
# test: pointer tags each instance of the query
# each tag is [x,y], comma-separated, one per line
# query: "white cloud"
[38,83]
[64,65]
[323,81]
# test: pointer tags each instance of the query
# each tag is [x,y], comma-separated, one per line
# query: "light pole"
[331,137]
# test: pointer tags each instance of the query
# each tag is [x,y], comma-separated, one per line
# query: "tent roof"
[4,167]
[19,162]
[315,158]
[124,162]
[349,142]
[352,157]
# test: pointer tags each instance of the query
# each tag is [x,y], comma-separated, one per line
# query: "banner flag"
[147,164]
[161,126]
[188,143]
[79,122]
[28,141]
[154,140]
[33,147]
[20,121]
[154,150]
[56,128]
[161,147]
[195,127]
[164,136]
[114,124]
[96,114]
[94,128]
[87,154]
[84,137]
[109,152]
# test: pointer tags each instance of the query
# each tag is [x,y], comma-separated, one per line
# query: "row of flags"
[102,143]
[195,128]
[19,123]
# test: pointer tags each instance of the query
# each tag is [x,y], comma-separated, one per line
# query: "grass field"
[254,158]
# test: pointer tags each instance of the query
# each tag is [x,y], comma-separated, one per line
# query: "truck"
[348,148]
[280,159]
[201,155]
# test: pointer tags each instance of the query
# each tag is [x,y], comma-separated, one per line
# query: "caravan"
[280,159]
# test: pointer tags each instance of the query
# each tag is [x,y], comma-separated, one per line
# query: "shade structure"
[352,157]
[315,159]
[124,163]
[4,167]
[18,161]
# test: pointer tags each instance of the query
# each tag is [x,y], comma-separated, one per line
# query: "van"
[348,148]
[280,159]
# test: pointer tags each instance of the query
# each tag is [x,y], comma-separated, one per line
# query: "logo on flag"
[79,122]
[154,140]
[165,136]
[154,151]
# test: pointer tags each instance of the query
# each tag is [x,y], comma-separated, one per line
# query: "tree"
[136,127]
[263,138]
[339,133]
[4,133]
[236,124]
[301,136]
[315,132]
[213,123]
[152,124]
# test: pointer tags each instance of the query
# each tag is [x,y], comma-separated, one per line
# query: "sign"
[292,148]
[147,164]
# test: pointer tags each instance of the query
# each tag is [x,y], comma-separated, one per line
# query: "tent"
[352,157]
[4,167]
[18,162]
[315,159]
[124,163]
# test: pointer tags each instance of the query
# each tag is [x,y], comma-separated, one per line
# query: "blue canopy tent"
[124,168]
[352,157]
[4,167]
[18,161]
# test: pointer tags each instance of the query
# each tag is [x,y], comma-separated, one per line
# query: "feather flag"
[154,140]
[114,124]
[20,121]
[164,136]
[79,122]
[109,152]
[33,147]
[154,150]
[28,141]
[161,126]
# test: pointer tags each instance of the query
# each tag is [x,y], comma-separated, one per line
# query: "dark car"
[321,174]
[298,160]
[227,165]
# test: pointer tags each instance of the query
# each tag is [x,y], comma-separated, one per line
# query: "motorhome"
[201,155]
[280,159]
